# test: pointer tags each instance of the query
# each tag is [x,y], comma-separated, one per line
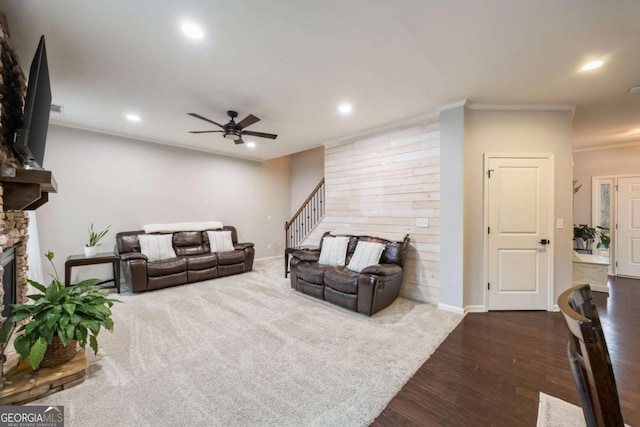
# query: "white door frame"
[617,177]
[595,205]
[485,245]
[595,213]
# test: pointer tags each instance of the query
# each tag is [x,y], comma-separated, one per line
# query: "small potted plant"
[584,236]
[59,318]
[91,248]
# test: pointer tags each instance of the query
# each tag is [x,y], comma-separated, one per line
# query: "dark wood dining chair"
[589,359]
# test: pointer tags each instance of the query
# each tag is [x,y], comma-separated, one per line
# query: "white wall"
[307,169]
[587,164]
[104,179]
[452,146]
[515,132]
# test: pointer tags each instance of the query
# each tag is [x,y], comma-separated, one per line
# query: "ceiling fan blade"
[239,141]
[198,116]
[260,134]
[247,121]
[204,131]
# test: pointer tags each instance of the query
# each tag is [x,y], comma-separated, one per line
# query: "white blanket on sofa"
[182,226]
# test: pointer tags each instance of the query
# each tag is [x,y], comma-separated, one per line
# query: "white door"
[628,246]
[519,203]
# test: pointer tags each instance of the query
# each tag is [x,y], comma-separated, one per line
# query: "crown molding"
[152,140]
[524,107]
[606,147]
[464,103]
[423,119]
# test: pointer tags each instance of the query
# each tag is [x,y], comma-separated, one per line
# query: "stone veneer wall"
[13,224]
[379,186]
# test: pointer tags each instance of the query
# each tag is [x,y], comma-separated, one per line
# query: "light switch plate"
[422,222]
[560,224]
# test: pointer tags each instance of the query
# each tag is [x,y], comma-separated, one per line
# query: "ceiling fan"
[233,130]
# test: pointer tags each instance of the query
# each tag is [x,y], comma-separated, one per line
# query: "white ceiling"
[291,63]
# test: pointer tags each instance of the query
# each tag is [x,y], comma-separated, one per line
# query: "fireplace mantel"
[28,190]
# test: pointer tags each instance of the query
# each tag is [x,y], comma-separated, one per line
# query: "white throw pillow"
[366,254]
[157,247]
[220,241]
[334,251]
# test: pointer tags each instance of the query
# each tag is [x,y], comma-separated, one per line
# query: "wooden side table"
[101,258]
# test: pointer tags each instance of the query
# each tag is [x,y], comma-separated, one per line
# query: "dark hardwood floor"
[491,368]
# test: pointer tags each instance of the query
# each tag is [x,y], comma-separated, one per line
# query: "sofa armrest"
[382,269]
[129,256]
[307,255]
[134,266]
[243,246]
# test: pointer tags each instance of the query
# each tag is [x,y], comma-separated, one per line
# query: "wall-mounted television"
[29,142]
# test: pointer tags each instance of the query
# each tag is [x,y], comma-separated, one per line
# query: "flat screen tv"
[30,141]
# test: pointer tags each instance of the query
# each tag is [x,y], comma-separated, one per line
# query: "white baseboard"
[467,308]
[451,308]
[474,309]
[555,307]
[597,288]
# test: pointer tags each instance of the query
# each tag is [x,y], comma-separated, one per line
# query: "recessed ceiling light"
[133,117]
[345,108]
[251,144]
[592,65]
[192,30]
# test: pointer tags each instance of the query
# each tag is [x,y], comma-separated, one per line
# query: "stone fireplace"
[14,236]
[13,223]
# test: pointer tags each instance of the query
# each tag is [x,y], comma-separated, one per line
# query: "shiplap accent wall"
[379,186]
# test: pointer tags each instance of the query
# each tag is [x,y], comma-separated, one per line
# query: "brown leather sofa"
[194,261]
[368,292]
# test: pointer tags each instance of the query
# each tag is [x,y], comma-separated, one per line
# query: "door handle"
[545,241]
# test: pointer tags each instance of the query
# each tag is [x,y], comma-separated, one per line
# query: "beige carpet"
[247,350]
[554,412]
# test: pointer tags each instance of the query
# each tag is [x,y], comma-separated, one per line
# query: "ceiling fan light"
[233,136]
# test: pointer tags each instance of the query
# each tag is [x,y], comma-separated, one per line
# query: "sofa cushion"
[189,243]
[312,272]
[220,241]
[333,251]
[349,301]
[341,280]
[228,258]
[157,246]
[393,253]
[165,267]
[202,261]
[128,242]
[366,254]
[206,274]
[311,289]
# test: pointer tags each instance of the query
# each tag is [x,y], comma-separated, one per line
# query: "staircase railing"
[306,218]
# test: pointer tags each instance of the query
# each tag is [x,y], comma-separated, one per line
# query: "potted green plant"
[59,318]
[583,236]
[603,235]
[91,248]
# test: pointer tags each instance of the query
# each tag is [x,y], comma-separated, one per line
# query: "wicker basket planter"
[57,354]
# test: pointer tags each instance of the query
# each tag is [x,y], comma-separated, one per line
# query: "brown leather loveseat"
[194,260]
[368,291]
